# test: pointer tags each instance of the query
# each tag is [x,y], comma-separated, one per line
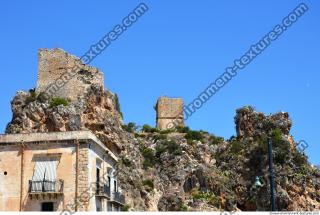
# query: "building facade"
[58,171]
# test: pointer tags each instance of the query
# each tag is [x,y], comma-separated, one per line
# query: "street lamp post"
[272,187]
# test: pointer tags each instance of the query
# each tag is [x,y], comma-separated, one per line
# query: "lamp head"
[258,182]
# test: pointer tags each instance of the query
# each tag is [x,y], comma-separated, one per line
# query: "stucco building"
[72,171]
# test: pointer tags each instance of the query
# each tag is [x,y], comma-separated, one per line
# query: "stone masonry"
[63,75]
[83,185]
[169,113]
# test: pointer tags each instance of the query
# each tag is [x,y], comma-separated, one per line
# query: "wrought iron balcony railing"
[103,190]
[119,198]
[46,186]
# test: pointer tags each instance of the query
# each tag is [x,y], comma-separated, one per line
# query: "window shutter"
[50,175]
[51,170]
[45,174]
[38,176]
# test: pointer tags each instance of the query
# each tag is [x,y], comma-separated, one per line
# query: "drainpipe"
[21,174]
[77,174]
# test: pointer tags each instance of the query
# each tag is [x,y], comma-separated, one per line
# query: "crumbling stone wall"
[63,75]
[169,113]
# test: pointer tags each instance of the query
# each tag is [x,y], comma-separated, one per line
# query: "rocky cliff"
[196,171]
[96,111]
[182,169]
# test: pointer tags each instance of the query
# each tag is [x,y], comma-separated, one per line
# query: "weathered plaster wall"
[10,184]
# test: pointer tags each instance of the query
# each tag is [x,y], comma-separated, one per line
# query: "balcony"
[119,198]
[103,190]
[45,188]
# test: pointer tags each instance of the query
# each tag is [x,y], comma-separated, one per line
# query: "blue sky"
[176,49]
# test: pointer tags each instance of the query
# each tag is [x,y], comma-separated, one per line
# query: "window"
[98,205]
[109,181]
[45,171]
[115,186]
[109,207]
[116,208]
[98,171]
[98,176]
[47,206]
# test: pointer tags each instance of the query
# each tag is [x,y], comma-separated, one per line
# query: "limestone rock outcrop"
[250,123]
[180,169]
[197,171]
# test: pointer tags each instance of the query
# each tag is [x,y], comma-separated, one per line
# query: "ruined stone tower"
[169,113]
[63,75]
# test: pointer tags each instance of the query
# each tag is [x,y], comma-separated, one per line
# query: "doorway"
[47,206]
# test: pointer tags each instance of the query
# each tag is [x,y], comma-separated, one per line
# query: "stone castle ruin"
[63,75]
[169,113]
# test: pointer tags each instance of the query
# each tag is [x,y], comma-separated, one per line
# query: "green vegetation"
[282,149]
[126,208]
[304,170]
[182,129]
[149,129]
[281,157]
[173,147]
[236,147]
[160,149]
[215,140]
[280,145]
[131,127]
[42,97]
[263,144]
[300,159]
[139,135]
[184,208]
[207,196]
[126,162]
[169,146]
[276,136]
[232,138]
[194,136]
[32,96]
[267,125]
[148,183]
[149,157]
[204,132]
[168,131]
[118,107]
[160,137]
[148,164]
[58,101]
